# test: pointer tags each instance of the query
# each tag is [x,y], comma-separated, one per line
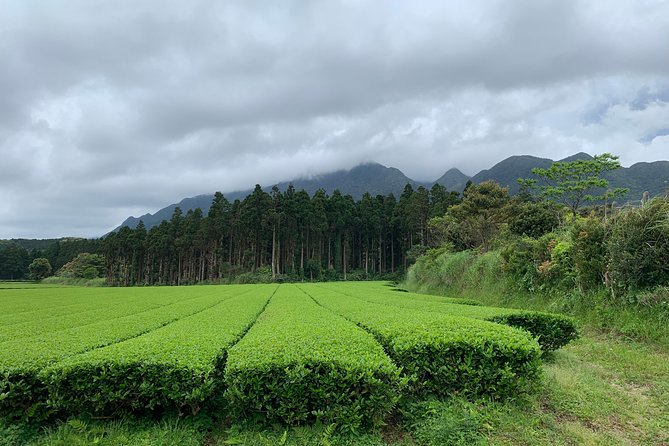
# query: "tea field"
[341,354]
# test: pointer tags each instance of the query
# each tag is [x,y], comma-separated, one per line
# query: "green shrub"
[21,360]
[534,219]
[441,269]
[177,366]
[83,266]
[588,237]
[638,248]
[443,354]
[301,363]
[551,330]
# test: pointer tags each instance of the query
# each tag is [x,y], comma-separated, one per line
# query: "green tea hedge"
[551,330]
[179,365]
[373,288]
[300,363]
[444,354]
[22,392]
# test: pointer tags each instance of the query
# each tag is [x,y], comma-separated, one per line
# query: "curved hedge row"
[301,362]
[178,365]
[551,330]
[443,354]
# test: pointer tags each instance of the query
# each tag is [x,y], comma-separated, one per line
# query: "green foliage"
[39,268]
[638,248]
[455,422]
[278,236]
[70,281]
[539,264]
[551,330]
[589,253]
[14,261]
[475,220]
[76,431]
[574,183]
[22,359]
[66,249]
[176,366]
[500,287]
[301,363]
[443,354]
[533,219]
[84,266]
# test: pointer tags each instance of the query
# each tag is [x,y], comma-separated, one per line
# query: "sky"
[110,109]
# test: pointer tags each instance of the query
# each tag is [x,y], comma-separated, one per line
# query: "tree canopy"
[574,183]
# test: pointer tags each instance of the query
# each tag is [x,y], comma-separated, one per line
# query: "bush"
[22,360]
[588,237]
[534,219]
[443,354]
[175,366]
[638,248]
[83,266]
[300,363]
[551,330]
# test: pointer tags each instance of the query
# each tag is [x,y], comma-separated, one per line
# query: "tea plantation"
[291,354]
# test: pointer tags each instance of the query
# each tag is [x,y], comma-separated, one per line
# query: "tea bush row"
[176,366]
[22,392]
[441,353]
[552,331]
[25,305]
[301,362]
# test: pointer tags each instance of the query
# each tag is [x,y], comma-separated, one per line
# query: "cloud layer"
[111,109]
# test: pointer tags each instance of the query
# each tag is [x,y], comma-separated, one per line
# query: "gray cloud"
[114,109]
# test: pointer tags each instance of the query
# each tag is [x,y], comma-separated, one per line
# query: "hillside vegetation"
[611,272]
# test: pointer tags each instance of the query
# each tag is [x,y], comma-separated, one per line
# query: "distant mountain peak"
[453,179]
[578,156]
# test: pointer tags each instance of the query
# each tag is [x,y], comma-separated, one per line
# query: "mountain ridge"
[376,179]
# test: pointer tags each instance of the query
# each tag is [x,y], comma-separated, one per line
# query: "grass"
[600,389]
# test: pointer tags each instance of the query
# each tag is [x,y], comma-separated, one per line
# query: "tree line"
[17,255]
[279,235]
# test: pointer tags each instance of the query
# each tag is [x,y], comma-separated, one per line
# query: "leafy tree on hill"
[84,266]
[476,219]
[574,183]
[39,268]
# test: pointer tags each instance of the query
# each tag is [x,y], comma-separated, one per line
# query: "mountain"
[453,179]
[652,177]
[200,201]
[378,179]
[374,178]
[370,177]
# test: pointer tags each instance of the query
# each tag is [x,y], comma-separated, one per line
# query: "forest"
[279,236]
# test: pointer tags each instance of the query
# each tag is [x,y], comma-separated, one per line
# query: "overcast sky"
[110,109]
